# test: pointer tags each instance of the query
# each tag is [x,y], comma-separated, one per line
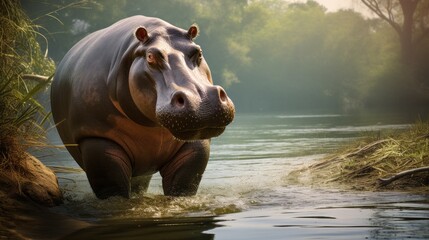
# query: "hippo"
[137,98]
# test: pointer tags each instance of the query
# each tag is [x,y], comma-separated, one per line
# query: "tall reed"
[21,115]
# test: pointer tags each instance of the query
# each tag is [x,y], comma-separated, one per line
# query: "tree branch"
[387,181]
[36,78]
[375,7]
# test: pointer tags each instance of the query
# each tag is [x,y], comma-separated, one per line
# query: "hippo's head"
[171,85]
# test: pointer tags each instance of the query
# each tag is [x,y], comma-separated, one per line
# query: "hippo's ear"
[141,34]
[193,31]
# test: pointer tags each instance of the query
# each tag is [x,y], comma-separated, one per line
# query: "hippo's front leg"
[182,175]
[107,167]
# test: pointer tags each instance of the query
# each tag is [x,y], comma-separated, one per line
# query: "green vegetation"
[376,163]
[20,55]
[23,178]
[273,55]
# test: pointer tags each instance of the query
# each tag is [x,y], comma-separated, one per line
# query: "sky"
[335,5]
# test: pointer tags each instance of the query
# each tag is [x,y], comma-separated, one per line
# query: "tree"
[409,18]
[290,55]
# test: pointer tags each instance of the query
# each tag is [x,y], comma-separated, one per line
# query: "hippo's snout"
[191,116]
[184,101]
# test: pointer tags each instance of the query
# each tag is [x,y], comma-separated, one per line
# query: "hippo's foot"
[182,175]
[107,167]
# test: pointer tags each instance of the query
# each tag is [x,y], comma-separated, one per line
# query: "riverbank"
[27,190]
[396,161]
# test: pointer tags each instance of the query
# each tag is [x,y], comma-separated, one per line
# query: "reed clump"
[21,115]
[397,161]
[22,70]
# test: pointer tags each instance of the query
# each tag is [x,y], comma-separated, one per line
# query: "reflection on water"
[154,229]
[244,194]
[327,222]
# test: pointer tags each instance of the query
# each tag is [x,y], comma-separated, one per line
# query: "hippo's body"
[136,98]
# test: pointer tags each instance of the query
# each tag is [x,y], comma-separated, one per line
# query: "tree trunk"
[406,35]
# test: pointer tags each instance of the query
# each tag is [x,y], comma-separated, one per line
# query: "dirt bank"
[26,194]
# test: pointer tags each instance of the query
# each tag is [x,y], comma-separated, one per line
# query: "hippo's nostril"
[178,100]
[222,95]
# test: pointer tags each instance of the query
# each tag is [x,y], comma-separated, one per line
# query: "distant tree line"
[272,55]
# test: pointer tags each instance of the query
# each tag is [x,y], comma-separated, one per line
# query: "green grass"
[21,115]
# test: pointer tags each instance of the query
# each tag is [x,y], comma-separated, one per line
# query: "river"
[244,193]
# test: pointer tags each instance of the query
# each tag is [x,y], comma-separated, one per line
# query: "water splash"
[147,205]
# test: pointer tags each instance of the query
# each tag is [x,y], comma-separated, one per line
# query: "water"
[244,193]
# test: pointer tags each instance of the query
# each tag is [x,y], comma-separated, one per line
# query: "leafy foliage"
[20,54]
[271,55]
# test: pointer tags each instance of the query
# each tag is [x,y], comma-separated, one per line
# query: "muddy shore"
[26,196]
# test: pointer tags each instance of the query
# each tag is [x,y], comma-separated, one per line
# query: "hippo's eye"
[150,58]
[197,56]
[200,57]
[155,57]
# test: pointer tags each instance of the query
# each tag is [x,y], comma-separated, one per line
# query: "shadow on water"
[154,229]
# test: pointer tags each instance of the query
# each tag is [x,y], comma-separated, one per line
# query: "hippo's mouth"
[198,123]
[190,126]
[197,134]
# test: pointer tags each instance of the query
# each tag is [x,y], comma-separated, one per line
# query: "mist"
[270,56]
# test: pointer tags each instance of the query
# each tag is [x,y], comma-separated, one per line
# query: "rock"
[27,188]
[33,181]
[42,187]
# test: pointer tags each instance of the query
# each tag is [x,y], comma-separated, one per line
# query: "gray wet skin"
[136,98]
